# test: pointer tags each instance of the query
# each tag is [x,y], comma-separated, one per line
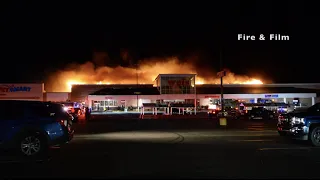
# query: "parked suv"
[31,127]
[302,124]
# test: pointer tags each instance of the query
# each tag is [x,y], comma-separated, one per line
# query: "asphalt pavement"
[179,148]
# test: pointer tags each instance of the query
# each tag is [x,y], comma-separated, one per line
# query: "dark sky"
[39,38]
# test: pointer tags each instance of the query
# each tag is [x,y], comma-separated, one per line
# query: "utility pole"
[222,73]
[222,119]
[137,87]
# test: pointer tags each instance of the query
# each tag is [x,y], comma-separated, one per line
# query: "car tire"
[314,136]
[31,145]
[281,133]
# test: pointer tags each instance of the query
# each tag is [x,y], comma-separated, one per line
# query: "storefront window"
[111,103]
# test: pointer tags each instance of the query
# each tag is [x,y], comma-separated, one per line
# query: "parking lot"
[110,147]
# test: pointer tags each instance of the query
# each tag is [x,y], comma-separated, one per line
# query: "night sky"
[39,38]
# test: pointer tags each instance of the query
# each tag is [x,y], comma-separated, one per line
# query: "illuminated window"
[111,103]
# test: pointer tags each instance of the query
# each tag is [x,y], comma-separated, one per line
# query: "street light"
[137,87]
[221,74]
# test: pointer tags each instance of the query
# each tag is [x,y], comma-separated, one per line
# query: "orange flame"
[147,71]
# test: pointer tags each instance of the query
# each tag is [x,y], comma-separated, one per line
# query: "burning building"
[164,81]
[183,89]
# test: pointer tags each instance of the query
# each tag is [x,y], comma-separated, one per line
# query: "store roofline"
[175,75]
[280,84]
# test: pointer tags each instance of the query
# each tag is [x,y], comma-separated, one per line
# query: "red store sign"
[212,97]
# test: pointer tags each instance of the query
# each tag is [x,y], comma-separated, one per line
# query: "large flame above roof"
[146,72]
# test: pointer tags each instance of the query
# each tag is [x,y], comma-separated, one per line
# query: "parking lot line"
[22,161]
[285,148]
[255,140]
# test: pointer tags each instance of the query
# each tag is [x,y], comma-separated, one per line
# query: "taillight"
[281,118]
[63,122]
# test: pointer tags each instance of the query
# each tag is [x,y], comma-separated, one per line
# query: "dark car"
[302,124]
[31,127]
[260,113]
[213,113]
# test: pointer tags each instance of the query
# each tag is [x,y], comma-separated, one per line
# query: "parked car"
[260,113]
[213,113]
[301,124]
[31,127]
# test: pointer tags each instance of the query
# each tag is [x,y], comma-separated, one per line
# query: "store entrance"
[105,105]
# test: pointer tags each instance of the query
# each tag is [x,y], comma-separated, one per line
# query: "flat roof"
[300,85]
[110,84]
[275,84]
[174,75]
[254,90]
[213,85]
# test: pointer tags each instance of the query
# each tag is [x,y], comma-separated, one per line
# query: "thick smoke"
[96,72]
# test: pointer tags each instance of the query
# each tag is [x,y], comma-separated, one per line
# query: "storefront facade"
[181,88]
[304,99]
[31,92]
[108,102]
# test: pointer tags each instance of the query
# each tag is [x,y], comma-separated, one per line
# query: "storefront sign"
[211,96]
[12,88]
[271,96]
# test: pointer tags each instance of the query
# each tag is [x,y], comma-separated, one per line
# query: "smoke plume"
[96,72]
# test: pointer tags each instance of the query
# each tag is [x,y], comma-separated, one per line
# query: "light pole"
[222,119]
[222,73]
[137,87]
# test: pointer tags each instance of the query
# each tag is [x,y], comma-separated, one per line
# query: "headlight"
[296,120]
[65,108]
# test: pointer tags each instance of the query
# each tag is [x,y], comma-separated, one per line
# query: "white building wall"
[204,98]
[32,92]
[204,101]
[306,102]
[251,96]
[131,100]
[57,96]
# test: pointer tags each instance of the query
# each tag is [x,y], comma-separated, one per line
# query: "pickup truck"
[301,124]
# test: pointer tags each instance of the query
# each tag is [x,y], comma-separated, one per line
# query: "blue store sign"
[271,96]
[12,88]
